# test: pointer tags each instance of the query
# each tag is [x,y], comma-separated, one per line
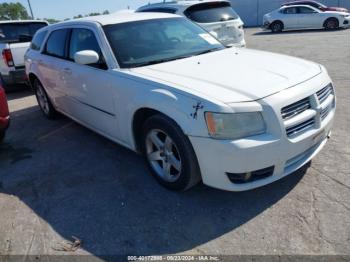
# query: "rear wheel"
[277,27]
[169,154]
[44,100]
[331,24]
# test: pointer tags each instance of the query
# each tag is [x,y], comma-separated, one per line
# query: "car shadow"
[19,93]
[86,186]
[291,32]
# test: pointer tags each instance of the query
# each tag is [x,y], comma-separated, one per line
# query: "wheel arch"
[277,21]
[329,18]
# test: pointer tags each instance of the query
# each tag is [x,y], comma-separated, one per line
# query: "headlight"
[234,126]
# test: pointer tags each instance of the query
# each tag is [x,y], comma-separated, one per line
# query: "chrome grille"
[306,111]
[323,94]
[325,111]
[300,127]
[295,108]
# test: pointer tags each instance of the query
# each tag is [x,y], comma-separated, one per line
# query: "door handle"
[67,71]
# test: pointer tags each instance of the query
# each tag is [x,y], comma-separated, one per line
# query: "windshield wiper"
[158,61]
[209,51]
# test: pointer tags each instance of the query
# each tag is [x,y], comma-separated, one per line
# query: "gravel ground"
[58,180]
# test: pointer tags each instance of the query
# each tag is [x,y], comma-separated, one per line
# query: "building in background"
[252,11]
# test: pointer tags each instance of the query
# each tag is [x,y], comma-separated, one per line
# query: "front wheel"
[44,100]
[331,24]
[276,27]
[169,154]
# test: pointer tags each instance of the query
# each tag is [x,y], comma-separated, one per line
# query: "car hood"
[232,75]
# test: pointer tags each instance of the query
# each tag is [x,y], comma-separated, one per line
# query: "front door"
[89,88]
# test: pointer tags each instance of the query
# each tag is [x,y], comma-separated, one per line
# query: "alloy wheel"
[163,155]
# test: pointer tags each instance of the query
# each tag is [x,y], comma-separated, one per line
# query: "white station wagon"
[215,16]
[159,84]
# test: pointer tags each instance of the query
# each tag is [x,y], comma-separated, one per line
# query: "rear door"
[18,36]
[290,17]
[51,65]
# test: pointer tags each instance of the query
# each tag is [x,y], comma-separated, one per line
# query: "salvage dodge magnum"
[197,110]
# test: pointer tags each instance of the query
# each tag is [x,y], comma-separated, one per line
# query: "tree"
[106,12]
[13,11]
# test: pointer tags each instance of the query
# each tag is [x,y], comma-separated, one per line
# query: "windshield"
[11,32]
[211,12]
[159,40]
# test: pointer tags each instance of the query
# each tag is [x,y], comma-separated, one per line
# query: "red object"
[4,110]
[337,9]
[7,56]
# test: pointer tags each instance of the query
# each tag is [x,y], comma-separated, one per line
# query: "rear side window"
[38,40]
[160,10]
[12,32]
[211,12]
[56,44]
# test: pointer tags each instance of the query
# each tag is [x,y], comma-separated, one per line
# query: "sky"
[61,9]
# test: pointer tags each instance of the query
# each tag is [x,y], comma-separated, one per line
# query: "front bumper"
[266,25]
[346,23]
[219,158]
[17,76]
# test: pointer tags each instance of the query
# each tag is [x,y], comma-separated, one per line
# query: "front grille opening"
[242,178]
[323,94]
[295,108]
[300,127]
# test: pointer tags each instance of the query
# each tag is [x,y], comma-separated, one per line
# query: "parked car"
[317,5]
[196,109]
[216,16]
[304,17]
[15,38]
[4,114]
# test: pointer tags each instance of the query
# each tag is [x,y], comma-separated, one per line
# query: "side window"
[290,10]
[38,40]
[56,44]
[306,10]
[84,39]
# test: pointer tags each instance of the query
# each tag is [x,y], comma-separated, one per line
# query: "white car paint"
[229,32]
[314,20]
[227,81]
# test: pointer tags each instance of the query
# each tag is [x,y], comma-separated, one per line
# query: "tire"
[169,154]
[2,135]
[276,27]
[331,24]
[44,100]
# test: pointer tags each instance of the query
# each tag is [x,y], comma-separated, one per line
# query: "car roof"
[177,4]
[22,21]
[117,18]
[300,2]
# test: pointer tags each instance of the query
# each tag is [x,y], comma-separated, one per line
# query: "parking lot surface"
[58,180]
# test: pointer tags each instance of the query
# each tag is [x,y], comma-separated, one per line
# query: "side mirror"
[86,57]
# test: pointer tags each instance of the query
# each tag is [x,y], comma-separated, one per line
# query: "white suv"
[216,16]
[15,38]
[161,85]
